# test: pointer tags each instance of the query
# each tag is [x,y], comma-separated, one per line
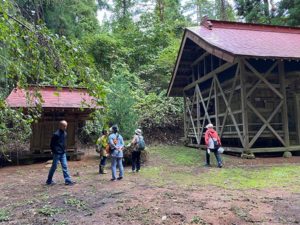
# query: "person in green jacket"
[102,142]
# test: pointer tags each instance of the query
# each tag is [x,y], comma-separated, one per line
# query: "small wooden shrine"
[73,105]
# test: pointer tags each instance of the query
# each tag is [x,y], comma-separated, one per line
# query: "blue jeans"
[114,162]
[63,161]
[136,160]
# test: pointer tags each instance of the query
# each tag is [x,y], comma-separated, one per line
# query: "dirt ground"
[135,200]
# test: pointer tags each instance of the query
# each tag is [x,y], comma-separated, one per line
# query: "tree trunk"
[223,14]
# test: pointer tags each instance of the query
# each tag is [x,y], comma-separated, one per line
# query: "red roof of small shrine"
[51,98]
[247,39]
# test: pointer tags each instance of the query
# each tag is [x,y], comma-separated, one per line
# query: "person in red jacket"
[213,142]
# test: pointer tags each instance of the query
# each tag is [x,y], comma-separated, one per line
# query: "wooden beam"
[263,79]
[184,116]
[297,109]
[176,65]
[200,58]
[198,111]
[256,84]
[245,121]
[230,111]
[191,118]
[216,107]
[208,101]
[209,75]
[230,97]
[285,119]
[210,48]
[266,123]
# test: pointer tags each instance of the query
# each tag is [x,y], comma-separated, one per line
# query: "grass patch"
[4,215]
[49,211]
[245,178]
[230,178]
[79,204]
[178,155]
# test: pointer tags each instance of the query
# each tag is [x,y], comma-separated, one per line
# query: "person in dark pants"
[136,153]
[213,142]
[58,147]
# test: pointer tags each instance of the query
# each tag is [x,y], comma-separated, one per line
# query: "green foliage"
[71,18]
[31,54]
[106,51]
[53,60]
[288,13]
[79,204]
[253,11]
[92,129]
[156,110]
[49,211]
[14,128]
[4,215]
[121,100]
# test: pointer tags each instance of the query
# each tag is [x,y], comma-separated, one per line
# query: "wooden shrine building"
[72,105]
[245,79]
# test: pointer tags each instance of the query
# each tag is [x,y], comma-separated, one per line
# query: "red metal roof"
[253,40]
[51,98]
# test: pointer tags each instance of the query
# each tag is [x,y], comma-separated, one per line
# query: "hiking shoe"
[119,178]
[207,165]
[113,179]
[50,183]
[220,166]
[70,183]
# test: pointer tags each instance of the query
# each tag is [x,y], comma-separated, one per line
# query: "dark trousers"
[217,155]
[136,160]
[102,161]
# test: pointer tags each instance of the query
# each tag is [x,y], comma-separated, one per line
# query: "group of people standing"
[112,143]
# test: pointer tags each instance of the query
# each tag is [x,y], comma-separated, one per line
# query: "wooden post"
[198,111]
[216,105]
[285,119]
[184,116]
[297,115]
[242,75]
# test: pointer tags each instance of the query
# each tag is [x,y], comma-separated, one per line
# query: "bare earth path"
[154,196]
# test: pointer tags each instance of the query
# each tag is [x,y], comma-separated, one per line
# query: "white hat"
[138,131]
[209,125]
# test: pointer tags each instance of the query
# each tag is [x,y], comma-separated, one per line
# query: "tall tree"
[254,11]
[288,13]
[70,18]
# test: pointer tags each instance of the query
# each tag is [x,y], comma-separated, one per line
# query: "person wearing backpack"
[213,142]
[138,146]
[102,145]
[116,143]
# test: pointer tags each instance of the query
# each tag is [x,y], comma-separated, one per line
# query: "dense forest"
[125,59]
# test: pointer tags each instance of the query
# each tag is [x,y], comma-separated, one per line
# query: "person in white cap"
[213,142]
[136,153]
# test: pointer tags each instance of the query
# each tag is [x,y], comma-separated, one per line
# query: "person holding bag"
[213,142]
